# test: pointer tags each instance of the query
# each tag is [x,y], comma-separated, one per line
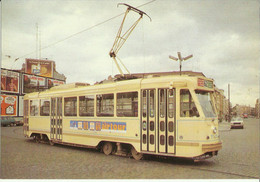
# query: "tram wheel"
[37,139]
[135,154]
[51,142]
[107,148]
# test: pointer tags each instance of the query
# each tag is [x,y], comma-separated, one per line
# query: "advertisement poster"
[33,83]
[53,83]
[39,67]
[116,127]
[8,105]
[9,81]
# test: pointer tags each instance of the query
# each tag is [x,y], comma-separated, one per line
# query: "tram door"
[166,121]
[148,121]
[56,118]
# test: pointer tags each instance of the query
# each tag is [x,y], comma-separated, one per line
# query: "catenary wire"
[89,28]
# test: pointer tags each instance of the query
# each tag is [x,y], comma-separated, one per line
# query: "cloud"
[223,37]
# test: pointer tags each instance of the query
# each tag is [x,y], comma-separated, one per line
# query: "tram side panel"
[92,130]
[34,119]
[191,135]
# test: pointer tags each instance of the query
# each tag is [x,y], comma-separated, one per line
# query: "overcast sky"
[222,35]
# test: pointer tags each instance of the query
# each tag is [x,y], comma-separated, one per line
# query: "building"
[240,110]
[222,104]
[36,75]
[219,101]
[257,109]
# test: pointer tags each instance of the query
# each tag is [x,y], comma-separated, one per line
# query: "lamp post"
[180,58]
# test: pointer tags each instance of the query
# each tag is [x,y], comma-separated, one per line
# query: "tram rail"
[205,165]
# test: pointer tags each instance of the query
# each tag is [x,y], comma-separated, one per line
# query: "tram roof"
[158,74]
[124,81]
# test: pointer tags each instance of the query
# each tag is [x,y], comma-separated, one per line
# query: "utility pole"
[229,107]
[180,58]
[37,42]
[40,45]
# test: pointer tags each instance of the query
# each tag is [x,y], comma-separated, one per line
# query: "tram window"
[144,125]
[152,103]
[70,106]
[45,107]
[152,139]
[188,107]
[162,103]
[105,105]
[162,140]
[162,126]
[59,106]
[34,107]
[206,102]
[171,103]
[127,104]
[170,126]
[144,104]
[151,125]
[86,105]
[144,138]
[171,140]
[53,107]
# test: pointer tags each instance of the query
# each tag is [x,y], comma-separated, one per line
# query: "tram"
[171,115]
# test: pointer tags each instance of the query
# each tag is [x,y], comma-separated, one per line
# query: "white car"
[237,123]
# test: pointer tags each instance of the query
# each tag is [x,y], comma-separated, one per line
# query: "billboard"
[9,81]
[53,83]
[33,83]
[8,105]
[39,67]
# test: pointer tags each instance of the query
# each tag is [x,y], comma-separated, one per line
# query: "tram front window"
[206,103]
[188,107]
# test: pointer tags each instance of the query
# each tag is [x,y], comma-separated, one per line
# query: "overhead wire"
[89,28]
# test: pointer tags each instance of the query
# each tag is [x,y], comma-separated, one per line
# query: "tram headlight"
[214,130]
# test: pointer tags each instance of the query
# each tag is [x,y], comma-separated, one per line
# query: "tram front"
[197,123]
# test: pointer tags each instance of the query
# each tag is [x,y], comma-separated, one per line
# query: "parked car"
[245,115]
[237,123]
[11,121]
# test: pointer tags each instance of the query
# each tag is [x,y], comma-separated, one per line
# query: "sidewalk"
[224,126]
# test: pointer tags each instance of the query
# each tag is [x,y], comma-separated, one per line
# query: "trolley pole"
[180,58]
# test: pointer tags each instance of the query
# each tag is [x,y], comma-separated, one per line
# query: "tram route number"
[98,126]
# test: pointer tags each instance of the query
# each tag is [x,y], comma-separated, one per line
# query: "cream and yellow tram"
[167,115]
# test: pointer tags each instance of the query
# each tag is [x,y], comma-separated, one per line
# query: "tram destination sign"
[205,83]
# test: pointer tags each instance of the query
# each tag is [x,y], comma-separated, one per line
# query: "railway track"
[12,132]
[238,174]
[233,170]
[242,170]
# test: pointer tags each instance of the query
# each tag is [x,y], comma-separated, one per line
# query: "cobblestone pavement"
[22,158]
